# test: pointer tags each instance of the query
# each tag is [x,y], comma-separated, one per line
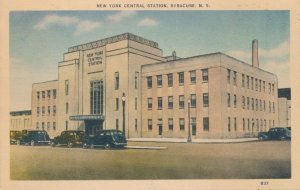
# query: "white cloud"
[281,50]
[86,26]
[281,69]
[82,26]
[55,19]
[147,22]
[119,16]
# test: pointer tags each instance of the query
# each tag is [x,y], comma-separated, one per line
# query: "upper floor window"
[228,75]
[234,77]
[170,79]
[67,107]
[96,97]
[54,110]
[205,75]
[159,103]
[193,77]
[117,80]
[181,101]
[48,94]
[243,102]
[181,78]
[117,104]
[251,83]
[256,84]
[248,82]
[248,103]
[205,100]
[243,80]
[66,87]
[49,110]
[159,80]
[43,110]
[149,103]
[136,80]
[149,82]
[234,101]
[38,95]
[228,100]
[193,100]
[54,93]
[43,95]
[264,86]
[170,102]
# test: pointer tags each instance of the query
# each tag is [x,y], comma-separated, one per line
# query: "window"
[135,125]
[193,100]
[136,80]
[193,77]
[38,111]
[243,80]
[117,80]
[43,110]
[149,103]
[243,124]
[243,102]
[248,103]
[170,123]
[43,95]
[264,86]
[228,75]
[234,100]
[194,126]
[43,126]
[117,104]
[54,110]
[256,104]
[149,124]
[66,87]
[49,110]
[264,105]
[269,88]
[135,103]
[96,97]
[67,107]
[269,107]
[48,94]
[54,93]
[54,126]
[257,125]
[181,124]
[170,102]
[228,100]
[252,103]
[159,80]
[260,105]
[251,83]
[248,82]
[273,107]
[228,124]
[181,101]
[205,100]
[204,75]
[273,89]
[205,124]
[117,124]
[66,125]
[149,82]
[234,77]
[248,124]
[259,85]
[181,78]
[235,127]
[48,125]
[170,79]
[159,103]
[37,125]
[38,95]
[256,84]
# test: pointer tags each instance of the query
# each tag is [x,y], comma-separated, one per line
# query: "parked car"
[278,133]
[69,138]
[34,137]
[15,136]
[107,139]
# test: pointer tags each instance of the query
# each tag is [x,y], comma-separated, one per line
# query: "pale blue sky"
[38,39]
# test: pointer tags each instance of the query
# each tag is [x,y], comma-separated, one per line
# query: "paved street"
[248,160]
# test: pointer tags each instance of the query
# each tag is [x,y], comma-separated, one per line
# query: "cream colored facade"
[96,79]
[44,107]
[20,120]
[284,112]
[242,99]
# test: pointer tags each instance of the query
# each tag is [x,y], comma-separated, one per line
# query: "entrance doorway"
[92,126]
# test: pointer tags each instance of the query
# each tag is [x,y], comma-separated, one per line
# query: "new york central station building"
[124,82]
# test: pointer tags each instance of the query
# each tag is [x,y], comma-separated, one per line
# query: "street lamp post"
[123,104]
[189,123]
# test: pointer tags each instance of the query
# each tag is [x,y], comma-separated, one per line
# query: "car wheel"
[32,143]
[107,146]
[84,145]
[92,146]
[18,142]
[70,144]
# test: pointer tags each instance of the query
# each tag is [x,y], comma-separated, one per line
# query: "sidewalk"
[183,140]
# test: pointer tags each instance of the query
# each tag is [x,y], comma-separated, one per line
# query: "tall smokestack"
[255,62]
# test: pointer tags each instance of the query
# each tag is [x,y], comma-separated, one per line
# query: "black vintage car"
[107,139]
[34,137]
[15,136]
[69,138]
[278,133]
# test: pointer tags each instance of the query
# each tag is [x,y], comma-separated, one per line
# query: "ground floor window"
[181,124]
[194,126]
[149,124]
[205,124]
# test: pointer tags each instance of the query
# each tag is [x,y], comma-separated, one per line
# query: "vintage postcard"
[150,94]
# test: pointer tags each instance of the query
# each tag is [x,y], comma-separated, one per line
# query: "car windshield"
[80,133]
[118,134]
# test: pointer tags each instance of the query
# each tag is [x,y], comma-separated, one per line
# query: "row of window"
[250,124]
[250,82]
[193,102]
[193,79]
[46,127]
[181,126]
[48,110]
[117,80]
[257,104]
[118,101]
[135,124]
[42,94]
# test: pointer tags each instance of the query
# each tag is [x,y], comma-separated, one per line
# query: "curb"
[146,147]
[195,141]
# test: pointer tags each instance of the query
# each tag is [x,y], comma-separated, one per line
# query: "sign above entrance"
[94,58]
[86,117]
